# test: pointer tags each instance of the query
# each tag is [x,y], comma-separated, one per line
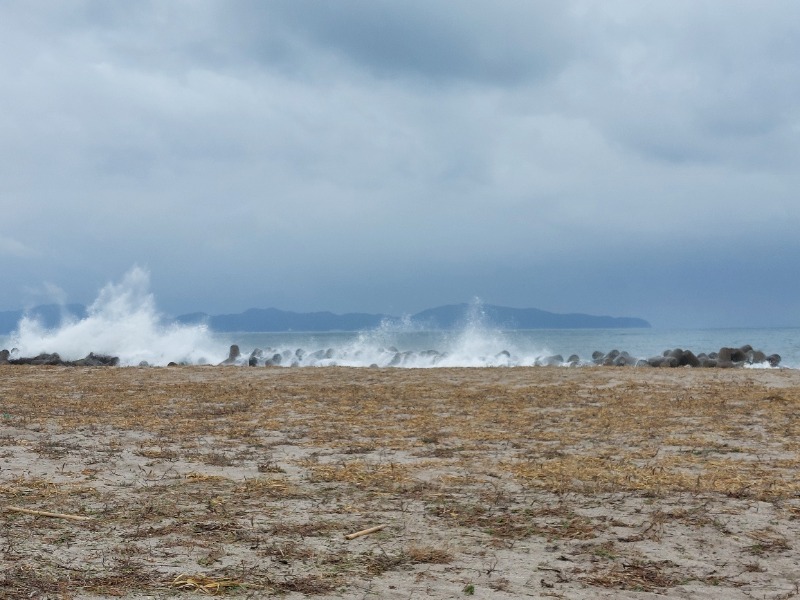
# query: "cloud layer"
[617,158]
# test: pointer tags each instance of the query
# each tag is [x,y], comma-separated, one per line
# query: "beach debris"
[204,584]
[358,534]
[44,513]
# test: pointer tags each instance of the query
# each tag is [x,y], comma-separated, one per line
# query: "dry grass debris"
[204,584]
[531,481]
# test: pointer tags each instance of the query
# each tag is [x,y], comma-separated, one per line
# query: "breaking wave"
[123,322]
[403,344]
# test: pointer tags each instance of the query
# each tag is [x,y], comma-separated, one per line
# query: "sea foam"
[403,344]
[123,321]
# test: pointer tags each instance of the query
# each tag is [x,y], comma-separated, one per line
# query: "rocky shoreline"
[53,359]
[725,358]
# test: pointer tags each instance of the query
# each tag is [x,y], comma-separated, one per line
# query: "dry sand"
[491,483]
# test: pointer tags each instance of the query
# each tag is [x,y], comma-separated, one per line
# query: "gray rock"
[233,354]
[41,359]
[97,360]
[275,361]
[738,355]
[256,356]
[732,354]
[728,364]
[663,361]
[550,361]
[689,359]
[624,360]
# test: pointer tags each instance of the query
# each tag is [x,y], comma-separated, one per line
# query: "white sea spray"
[123,321]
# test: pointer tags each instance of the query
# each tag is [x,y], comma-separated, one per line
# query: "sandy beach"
[489,483]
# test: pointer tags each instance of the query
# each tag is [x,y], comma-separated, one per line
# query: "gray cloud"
[680,82]
[387,157]
[440,42]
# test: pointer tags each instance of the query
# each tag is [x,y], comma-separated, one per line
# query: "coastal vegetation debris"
[358,534]
[44,513]
[204,583]
[621,479]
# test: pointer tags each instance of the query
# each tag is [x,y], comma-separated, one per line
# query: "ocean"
[136,339]
[479,345]
[123,321]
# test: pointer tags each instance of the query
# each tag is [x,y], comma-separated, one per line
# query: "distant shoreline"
[273,320]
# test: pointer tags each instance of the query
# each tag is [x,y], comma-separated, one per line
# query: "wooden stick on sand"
[352,536]
[44,513]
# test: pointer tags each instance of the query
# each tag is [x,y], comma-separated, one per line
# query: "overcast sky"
[623,158]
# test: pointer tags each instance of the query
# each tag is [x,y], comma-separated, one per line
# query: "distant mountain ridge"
[273,319]
[49,315]
[452,316]
[455,316]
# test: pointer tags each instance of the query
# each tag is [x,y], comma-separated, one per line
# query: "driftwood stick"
[352,536]
[44,513]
